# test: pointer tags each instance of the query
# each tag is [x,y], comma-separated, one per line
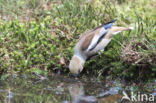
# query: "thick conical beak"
[76,75]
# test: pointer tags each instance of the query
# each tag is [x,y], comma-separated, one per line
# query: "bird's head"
[75,66]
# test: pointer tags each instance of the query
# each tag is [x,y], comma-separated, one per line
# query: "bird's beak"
[76,75]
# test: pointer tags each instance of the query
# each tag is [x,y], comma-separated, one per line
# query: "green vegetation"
[39,35]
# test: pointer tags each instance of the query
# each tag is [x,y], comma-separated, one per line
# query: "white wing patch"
[96,38]
[93,43]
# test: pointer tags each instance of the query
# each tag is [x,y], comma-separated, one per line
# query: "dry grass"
[132,53]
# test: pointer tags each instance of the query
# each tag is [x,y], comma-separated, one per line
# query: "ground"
[39,36]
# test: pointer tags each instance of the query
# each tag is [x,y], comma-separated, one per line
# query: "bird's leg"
[93,56]
[101,51]
[97,54]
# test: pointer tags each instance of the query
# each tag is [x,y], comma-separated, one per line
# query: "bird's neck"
[81,58]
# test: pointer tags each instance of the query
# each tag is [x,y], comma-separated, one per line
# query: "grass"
[39,35]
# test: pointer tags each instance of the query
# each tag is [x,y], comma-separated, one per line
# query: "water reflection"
[78,95]
[61,89]
[9,95]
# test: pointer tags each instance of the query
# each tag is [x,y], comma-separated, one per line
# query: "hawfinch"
[92,42]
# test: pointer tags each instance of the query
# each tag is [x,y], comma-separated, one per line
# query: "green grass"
[40,35]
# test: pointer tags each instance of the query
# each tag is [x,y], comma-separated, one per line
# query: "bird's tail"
[116,30]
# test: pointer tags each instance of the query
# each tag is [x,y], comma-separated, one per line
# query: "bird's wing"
[99,34]
[97,38]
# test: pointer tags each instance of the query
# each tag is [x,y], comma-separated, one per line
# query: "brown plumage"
[91,42]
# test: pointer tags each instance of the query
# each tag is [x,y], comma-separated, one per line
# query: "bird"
[92,42]
[76,90]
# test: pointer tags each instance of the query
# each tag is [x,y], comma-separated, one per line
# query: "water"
[61,89]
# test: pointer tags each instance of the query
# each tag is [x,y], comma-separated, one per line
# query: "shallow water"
[61,89]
